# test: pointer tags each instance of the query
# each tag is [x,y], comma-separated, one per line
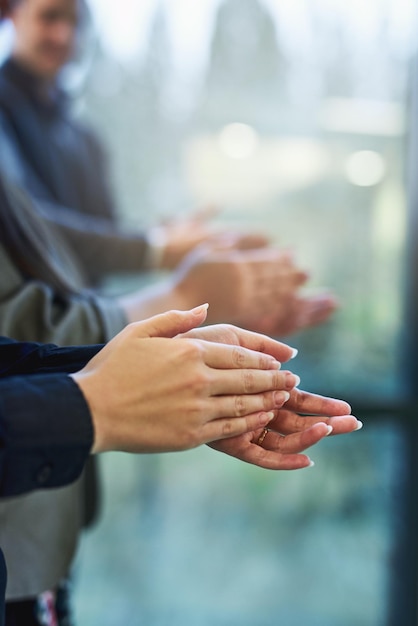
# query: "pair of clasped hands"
[165,385]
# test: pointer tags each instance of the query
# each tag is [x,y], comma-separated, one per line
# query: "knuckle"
[229,334]
[130,329]
[190,436]
[300,423]
[248,381]
[268,401]
[238,357]
[262,347]
[279,380]
[240,406]
[228,429]
[192,440]
[264,362]
[189,440]
[282,444]
[174,316]
[200,382]
[300,399]
[193,349]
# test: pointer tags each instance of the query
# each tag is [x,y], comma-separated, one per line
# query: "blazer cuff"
[46,432]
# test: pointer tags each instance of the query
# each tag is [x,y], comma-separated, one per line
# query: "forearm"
[98,243]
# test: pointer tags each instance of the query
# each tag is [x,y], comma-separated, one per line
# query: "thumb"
[172,323]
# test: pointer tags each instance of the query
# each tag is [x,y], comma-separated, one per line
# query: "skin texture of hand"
[182,236]
[234,336]
[149,391]
[304,420]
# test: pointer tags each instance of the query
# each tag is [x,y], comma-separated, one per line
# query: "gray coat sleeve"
[101,248]
[31,311]
[100,245]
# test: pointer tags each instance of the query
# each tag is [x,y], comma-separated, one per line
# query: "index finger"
[225,356]
[287,422]
[314,404]
[262,343]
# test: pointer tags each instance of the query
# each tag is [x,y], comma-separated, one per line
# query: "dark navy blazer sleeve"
[18,358]
[46,430]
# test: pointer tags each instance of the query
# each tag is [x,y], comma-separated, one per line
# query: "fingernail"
[311,463]
[270,415]
[275,364]
[294,353]
[359,425]
[198,310]
[280,397]
[329,429]
[292,380]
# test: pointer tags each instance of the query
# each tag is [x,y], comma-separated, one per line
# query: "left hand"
[279,446]
[290,432]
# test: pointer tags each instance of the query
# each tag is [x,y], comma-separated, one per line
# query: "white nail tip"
[359,425]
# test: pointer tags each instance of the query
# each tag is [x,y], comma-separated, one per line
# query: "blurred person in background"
[61,163]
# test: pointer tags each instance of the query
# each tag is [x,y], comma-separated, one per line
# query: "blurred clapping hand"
[261,289]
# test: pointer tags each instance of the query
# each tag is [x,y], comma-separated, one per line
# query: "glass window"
[290,117]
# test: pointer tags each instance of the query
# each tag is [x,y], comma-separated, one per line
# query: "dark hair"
[4,8]
[29,242]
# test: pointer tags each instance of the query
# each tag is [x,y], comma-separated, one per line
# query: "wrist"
[99,439]
[157,244]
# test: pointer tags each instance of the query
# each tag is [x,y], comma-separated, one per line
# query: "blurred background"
[292,117]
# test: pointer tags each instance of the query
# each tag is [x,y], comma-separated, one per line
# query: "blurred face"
[45,34]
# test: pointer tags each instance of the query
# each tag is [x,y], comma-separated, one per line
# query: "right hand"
[150,392]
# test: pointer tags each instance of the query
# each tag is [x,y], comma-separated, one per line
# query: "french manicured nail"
[330,429]
[198,309]
[294,353]
[311,463]
[297,380]
[359,425]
